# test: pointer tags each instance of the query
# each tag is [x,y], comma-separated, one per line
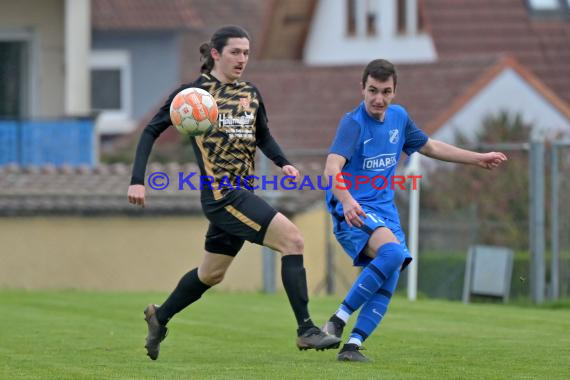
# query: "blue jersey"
[372,148]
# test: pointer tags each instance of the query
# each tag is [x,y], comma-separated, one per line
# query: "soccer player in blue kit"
[367,146]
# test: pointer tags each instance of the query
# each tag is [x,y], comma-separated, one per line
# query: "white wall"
[77,43]
[328,43]
[510,92]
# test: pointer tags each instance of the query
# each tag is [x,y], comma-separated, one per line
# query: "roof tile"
[144,15]
[467,28]
[103,191]
[305,104]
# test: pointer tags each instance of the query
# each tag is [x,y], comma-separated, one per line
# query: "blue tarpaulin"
[41,142]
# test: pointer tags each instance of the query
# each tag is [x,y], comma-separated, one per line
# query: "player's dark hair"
[380,69]
[218,41]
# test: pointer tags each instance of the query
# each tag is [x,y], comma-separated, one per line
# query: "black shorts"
[239,216]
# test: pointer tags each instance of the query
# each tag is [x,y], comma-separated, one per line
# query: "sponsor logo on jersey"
[380,162]
[228,119]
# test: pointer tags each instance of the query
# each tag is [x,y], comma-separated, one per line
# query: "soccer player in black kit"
[236,214]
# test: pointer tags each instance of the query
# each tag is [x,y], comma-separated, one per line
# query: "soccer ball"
[193,111]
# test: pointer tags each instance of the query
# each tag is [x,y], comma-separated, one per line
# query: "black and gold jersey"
[226,153]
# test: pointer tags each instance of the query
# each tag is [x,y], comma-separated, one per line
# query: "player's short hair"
[218,41]
[380,69]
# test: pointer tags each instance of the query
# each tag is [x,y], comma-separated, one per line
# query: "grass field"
[77,335]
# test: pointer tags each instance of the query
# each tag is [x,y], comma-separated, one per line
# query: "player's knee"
[401,255]
[397,252]
[212,277]
[297,243]
[292,243]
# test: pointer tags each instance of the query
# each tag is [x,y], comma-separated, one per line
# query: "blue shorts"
[354,239]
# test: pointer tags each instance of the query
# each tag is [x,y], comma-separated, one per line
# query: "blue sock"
[388,260]
[375,309]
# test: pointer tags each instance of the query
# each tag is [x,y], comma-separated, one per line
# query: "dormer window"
[543,5]
[401,21]
[391,28]
[362,17]
[371,17]
[374,18]
[549,8]
[421,16]
[351,18]
[409,16]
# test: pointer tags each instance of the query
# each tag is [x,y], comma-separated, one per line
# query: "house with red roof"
[458,61]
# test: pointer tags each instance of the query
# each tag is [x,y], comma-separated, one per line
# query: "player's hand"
[290,170]
[353,213]
[491,160]
[136,195]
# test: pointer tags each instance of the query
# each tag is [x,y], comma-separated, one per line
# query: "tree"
[500,196]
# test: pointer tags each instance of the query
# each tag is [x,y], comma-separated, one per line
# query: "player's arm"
[450,153]
[158,124]
[342,150]
[267,144]
[352,209]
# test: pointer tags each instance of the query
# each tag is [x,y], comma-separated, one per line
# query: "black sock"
[337,320]
[295,284]
[188,290]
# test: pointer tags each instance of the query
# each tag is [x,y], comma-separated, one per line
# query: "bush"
[442,275]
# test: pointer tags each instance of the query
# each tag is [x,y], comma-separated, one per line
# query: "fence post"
[330,268]
[555,228]
[536,188]
[268,256]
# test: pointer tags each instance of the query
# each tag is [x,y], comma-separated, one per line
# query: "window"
[550,8]
[421,16]
[363,13]
[111,93]
[351,17]
[12,63]
[544,4]
[110,82]
[106,89]
[409,16]
[401,21]
[18,89]
[371,17]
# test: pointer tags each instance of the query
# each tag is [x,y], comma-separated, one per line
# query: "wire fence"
[464,206]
